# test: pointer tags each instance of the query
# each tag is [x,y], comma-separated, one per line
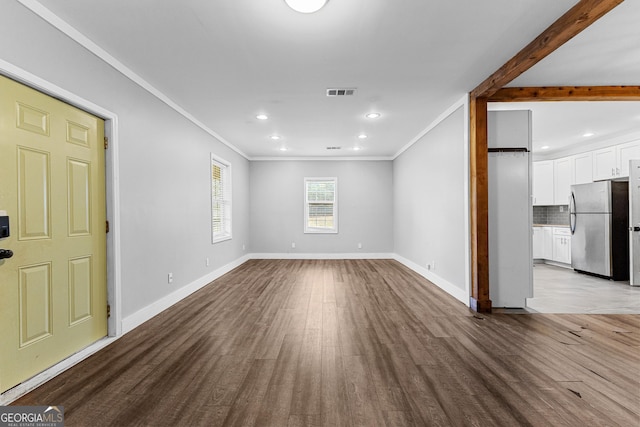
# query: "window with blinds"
[321,205]
[220,200]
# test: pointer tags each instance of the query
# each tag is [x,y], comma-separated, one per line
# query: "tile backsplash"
[551,215]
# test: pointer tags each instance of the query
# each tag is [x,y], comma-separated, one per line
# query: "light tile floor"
[561,290]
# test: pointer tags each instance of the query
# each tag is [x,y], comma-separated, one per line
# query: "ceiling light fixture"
[306,6]
[262,117]
[283,148]
[372,115]
[356,148]
[362,136]
[274,137]
[588,134]
[544,147]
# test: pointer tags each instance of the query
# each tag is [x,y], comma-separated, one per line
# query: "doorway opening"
[575,143]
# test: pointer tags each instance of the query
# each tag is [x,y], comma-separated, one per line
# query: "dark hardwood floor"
[352,343]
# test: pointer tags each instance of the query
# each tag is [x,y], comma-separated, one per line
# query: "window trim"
[225,167]
[311,230]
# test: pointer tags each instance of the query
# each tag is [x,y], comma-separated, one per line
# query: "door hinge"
[106,142]
[108,311]
[107,226]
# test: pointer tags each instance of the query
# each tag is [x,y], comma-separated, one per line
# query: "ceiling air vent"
[334,148]
[341,91]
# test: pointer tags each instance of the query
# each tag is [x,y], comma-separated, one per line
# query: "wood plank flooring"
[352,343]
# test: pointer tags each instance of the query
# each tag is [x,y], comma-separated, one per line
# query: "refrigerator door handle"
[572,213]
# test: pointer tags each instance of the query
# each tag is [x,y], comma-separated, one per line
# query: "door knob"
[6,253]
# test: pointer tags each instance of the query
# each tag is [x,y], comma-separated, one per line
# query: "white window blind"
[220,200]
[321,205]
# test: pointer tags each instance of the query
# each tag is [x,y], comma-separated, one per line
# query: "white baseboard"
[294,255]
[139,317]
[44,376]
[459,294]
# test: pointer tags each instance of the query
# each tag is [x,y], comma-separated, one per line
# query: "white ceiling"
[226,61]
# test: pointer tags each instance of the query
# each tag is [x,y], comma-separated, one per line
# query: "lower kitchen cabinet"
[542,242]
[552,244]
[561,245]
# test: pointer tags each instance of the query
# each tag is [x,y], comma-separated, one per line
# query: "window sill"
[221,239]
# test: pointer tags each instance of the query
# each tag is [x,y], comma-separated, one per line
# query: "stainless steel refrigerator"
[599,214]
[634,221]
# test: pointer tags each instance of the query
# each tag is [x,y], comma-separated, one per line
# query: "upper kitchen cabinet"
[583,168]
[562,180]
[613,162]
[543,183]
[604,163]
[626,152]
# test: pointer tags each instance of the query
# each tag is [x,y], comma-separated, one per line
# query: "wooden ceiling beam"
[579,17]
[567,93]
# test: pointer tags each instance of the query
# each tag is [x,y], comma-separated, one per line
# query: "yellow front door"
[53,296]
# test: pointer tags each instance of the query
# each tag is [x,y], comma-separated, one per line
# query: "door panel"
[53,290]
[77,134]
[35,303]
[79,289]
[34,179]
[32,119]
[79,196]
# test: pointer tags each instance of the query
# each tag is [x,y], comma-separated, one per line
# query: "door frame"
[112,196]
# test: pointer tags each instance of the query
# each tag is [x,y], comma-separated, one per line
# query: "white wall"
[365,195]
[163,163]
[430,204]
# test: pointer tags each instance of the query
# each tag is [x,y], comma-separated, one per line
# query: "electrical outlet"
[561,208]
[359,245]
[293,245]
[244,248]
[428,266]
[207,261]
[170,278]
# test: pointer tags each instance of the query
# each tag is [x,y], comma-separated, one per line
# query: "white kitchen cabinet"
[582,168]
[542,185]
[562,180]
[561,245]
[626,152]
[613,162]
[604,163]
[542,242]
[538,242]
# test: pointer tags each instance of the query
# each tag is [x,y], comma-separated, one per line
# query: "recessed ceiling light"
[306,6]
[588,134]
[274,137]
[283,148]
[544,147]
[356,148]
[372,115]
[362,136]
[262,117]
